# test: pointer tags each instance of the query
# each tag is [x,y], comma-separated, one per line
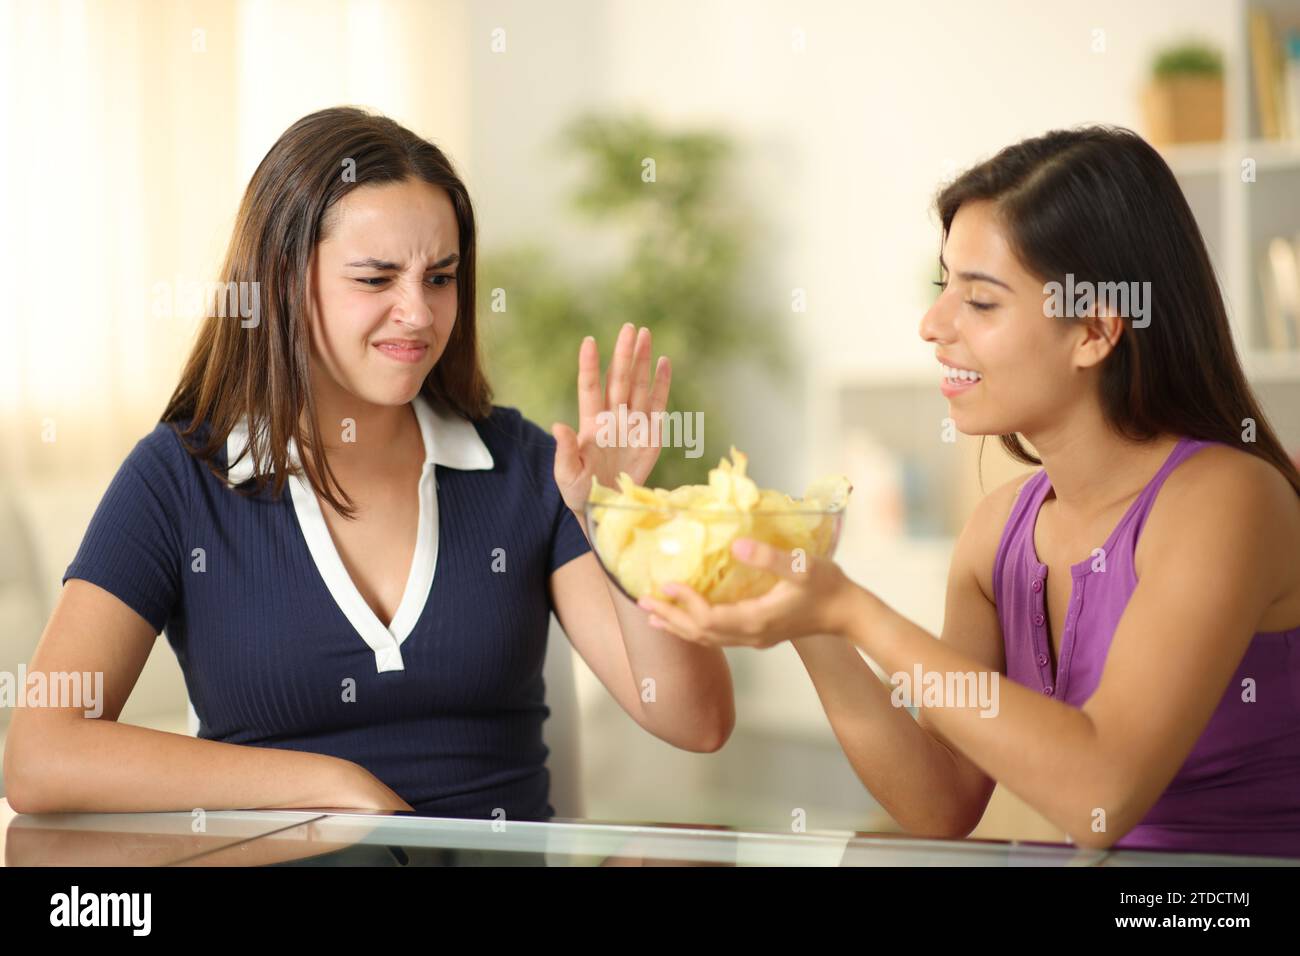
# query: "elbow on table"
[36,753]
[946,827]
[1102,839]
[22,787]
[1101,829]
[1088,840]
[22,800]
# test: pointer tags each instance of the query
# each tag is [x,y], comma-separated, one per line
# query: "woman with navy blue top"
[354,554]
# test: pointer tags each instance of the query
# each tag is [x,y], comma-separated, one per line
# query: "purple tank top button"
[1048,690]
[1038,620]
[1042,660]
[1038,584]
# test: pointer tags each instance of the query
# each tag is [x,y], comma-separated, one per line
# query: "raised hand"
[580,455]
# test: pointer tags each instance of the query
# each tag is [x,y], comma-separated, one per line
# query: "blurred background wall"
[129,128]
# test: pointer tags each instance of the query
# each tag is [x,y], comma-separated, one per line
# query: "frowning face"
[383,290]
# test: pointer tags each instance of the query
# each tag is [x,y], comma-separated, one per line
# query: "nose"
[411,307]
[937,324]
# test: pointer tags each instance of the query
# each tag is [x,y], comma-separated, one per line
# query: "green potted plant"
[1183,102]
[683,269]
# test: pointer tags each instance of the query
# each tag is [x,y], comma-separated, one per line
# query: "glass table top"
[334,838]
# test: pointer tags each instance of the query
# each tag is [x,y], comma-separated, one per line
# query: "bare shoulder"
[1230,494]
[978,545]
[1221,482]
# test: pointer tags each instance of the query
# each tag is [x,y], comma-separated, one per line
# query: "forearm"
[106,766]
[684,689]
[1044,751]
[686,692]
[910,773]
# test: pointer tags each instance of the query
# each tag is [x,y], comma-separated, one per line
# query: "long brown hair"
[1101,203]
[263,371]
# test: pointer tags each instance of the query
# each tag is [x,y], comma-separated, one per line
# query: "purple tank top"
[1239,789]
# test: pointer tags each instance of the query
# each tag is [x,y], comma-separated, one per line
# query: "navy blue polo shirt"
[445,703]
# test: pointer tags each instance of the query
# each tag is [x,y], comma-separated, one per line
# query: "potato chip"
[648,537]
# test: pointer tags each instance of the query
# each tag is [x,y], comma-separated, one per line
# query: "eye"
[437,281]
[977,306]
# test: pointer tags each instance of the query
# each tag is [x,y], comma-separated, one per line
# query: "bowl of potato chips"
[647,537]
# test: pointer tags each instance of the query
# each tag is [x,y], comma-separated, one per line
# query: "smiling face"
[383,290]
[1034,369]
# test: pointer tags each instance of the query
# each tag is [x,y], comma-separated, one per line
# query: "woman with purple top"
[1141,591]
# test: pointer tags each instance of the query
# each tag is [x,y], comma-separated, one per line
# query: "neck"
[1090,467]
[375,434]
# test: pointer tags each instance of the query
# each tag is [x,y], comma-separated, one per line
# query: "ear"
[310,277]
[1097,335]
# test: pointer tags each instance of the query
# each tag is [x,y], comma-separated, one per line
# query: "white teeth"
[959,374]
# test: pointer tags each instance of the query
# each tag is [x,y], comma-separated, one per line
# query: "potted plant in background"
[1184,101]
[682,269]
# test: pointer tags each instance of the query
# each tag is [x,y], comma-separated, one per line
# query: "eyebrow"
[383,265]
[976,276]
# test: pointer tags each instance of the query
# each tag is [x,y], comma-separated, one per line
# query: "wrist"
[330,781]
[344,774]
[581,515]
[851,607]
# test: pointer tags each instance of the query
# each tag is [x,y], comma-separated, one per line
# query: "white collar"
[449,440]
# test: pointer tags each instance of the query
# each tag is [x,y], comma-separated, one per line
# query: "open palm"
[580,455]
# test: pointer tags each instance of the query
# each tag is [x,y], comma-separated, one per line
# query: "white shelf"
[1202,159]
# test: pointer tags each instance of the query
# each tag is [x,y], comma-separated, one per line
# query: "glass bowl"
[643,546]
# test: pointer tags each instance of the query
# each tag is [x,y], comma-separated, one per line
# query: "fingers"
[689,599]
[733,619]
[791,565]
[641,366]
[618,383]
[588,385]
[671,618]
[663,378]
[694,618]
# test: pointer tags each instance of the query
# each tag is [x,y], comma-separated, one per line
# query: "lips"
[403,350]
[956,379]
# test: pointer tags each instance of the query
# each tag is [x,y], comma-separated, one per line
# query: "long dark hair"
[262,371]
[1099,202]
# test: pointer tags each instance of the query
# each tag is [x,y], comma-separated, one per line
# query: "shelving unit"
[1238,218]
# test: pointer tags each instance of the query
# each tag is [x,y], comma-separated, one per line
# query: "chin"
[974,426]
[390,393]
